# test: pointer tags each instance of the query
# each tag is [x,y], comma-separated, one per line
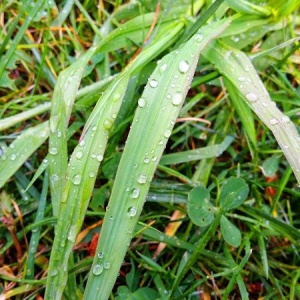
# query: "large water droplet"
[76,179]
[142,178]
[252,97]
[53,150]
[153,83]
[177,98]
[141,102]
[79,155]
[183,66]
[131,211]
[135,193]
[98,269]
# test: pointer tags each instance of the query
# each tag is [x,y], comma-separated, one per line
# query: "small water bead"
[146,160]
[11,146]
[142,179]
[199,37]
[58,133]
[92,175]
[76,179]
[53,150]
[135,193]
[116,97]
[100,255]
[113,116]
[274,121]
[142,102]
[241,78]
[252,97]
[94,128]
[98,269]
[106,265]
[107,124]
[285,119]
[13,156]
[183,66]
[100,157]
[154,158]
[79,155]
[264,104]
[163,68]
[82,143]
[131,211]
[167,133]
[93,155]
[168,96]
[161,142]
[176,76]
[177,98]
[153,83]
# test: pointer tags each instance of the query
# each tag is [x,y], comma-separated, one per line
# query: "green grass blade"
[84,164]
[20,150]
[238,69]
[197,154]
[155,117]
[62,103]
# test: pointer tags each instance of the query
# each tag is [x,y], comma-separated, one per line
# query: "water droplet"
[94,128]
[58,133]
[274,121]
[116,97]
[199,37]
[163,68]
[98,269]
[285,119]
[76,179]
[153,83]
[154,158]
[106,265]
[142,179]
[252,97]
[177,98]
[92,174]
[141,102]
[11,146]
[107,124]
[183,66]
[131,211]
[13,156]
[79,154]
[100,157]
[161,142]
[241,78]
[100,255]
[167,133]
[82,143]
[53,150]
[146,160]
[135,193]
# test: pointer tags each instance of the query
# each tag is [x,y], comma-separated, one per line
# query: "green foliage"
[173,132]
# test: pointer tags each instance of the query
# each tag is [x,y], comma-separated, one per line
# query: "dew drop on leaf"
[177,98]
[76,179]
[183,66]
[98,269]
[153,83]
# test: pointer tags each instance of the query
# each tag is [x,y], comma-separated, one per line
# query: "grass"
[188,167]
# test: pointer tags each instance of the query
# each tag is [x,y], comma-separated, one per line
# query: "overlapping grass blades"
[238,69]
[81,173]
[154,119]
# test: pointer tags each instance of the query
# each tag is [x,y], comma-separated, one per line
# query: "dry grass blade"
[155,117]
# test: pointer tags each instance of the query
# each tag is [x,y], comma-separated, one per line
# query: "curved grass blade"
[238,69]
[84,164]
[155,117]
[19,150]
[197,154]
